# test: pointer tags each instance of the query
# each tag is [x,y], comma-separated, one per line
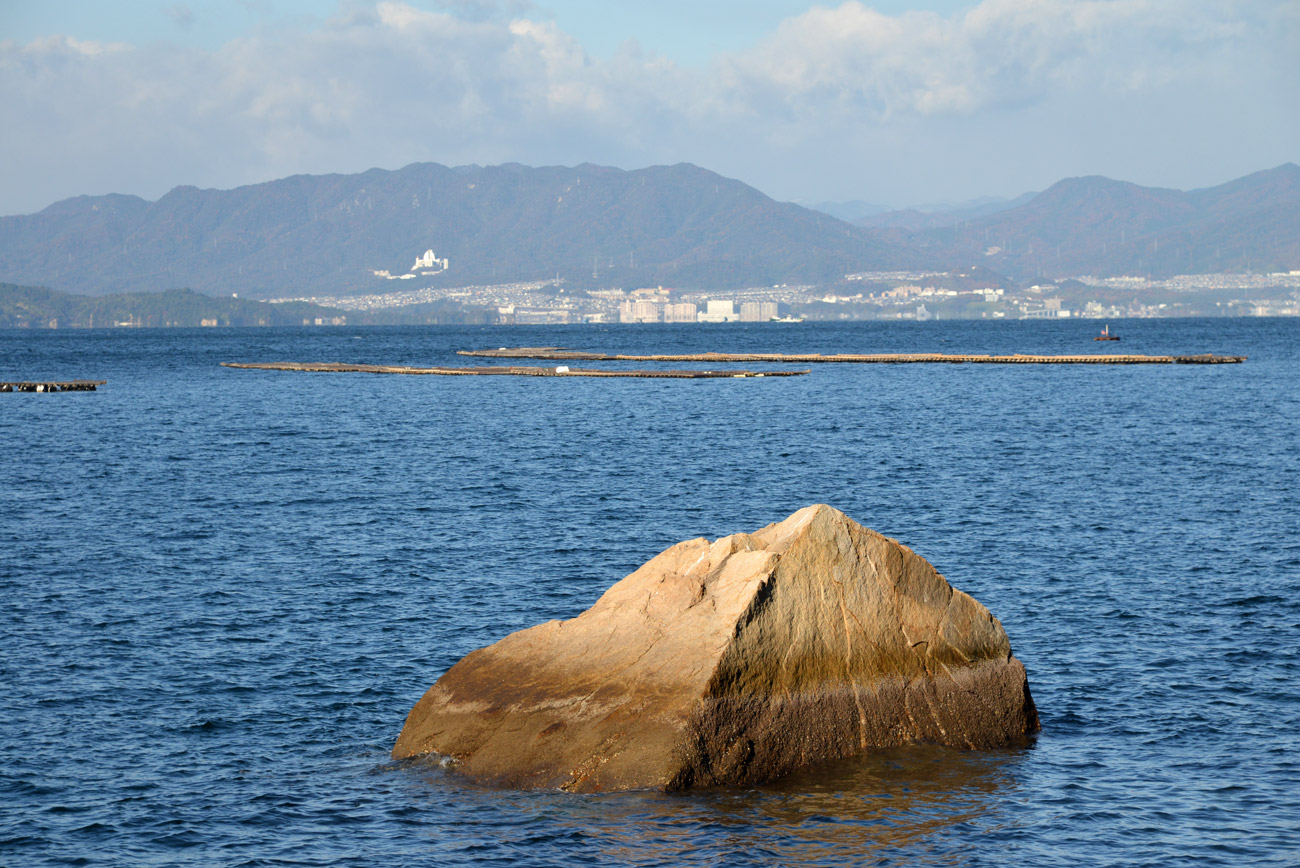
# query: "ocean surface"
[224,589]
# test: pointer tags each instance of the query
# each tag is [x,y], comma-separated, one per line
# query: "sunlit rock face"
[733,662]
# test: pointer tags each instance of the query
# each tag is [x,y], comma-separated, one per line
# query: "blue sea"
[224,589]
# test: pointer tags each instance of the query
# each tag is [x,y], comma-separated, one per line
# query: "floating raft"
[561,354]
[52,386]
[561,371]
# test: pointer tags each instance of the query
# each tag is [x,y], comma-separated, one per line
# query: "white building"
[429,260]
[638,311]
[720,311]
[683,312]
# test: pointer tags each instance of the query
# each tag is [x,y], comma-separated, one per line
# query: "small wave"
[1260,600]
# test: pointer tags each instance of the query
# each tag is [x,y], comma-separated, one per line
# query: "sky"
[888,102]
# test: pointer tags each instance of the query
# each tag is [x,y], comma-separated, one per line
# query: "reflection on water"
[903,797]
[886,807]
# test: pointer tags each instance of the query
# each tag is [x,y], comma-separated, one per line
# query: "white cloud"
[794,114]
[855,60]
[52,49]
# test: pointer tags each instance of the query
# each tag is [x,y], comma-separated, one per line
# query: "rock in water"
[733,663]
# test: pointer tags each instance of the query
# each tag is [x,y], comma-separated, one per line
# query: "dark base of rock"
[750,740]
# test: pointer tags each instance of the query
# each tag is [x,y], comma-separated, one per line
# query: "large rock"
[733,663]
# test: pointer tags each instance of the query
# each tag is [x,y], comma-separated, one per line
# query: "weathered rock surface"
[733,663]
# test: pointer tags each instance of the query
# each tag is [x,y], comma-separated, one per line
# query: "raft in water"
[561,354]
[511,371]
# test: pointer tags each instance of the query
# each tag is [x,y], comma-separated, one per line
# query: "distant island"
[39,307]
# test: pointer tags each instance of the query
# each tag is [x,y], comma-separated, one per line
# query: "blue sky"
[884,101]
[686,31]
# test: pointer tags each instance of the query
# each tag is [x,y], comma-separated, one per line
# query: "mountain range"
[679,226]
[325,235]
[1102,227]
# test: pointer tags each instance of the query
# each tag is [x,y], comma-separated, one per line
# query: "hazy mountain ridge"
[852,211]
[920,218]
[1095,225]
[675,225]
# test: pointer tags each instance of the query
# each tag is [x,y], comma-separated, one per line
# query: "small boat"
[786,319]
[1106,335]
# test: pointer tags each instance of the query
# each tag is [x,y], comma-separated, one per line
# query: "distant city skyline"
[888,102]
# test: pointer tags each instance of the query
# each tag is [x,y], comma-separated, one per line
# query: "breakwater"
[562,354]
[501,370]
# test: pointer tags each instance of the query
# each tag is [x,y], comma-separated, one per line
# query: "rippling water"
[223,590]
